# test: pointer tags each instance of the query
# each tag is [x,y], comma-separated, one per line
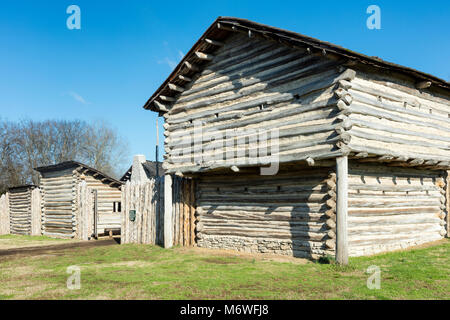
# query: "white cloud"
[171,63]
[77,97]
[171,58]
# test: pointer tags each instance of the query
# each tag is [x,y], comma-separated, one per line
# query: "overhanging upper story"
[246,93]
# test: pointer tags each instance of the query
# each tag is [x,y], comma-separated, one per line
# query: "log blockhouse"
[363,145]
[78,201]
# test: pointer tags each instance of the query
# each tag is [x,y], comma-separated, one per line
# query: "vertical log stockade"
[143,211]
[168,222]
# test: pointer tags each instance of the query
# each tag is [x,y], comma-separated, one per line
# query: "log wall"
[147,200]
[292,213]
[106,196]
[4,214]
[20,210]
[260,85]
[389,118]
[393,208]
[59,205]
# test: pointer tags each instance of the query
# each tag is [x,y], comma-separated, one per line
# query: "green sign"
[132,215]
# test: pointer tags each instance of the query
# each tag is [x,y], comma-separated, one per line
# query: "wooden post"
[168,225]
[36,213]
[341,210]
[192,212]
[95,214]
[4,214]
[447,201]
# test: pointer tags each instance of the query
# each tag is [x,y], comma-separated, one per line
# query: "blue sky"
[125,50]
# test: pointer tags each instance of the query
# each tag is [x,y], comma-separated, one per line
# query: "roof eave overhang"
[75,164]
[293,39]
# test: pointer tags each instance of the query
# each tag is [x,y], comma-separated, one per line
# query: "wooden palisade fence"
[145,203]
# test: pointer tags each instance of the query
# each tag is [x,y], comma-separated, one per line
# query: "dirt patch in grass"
[218,261]
[14,241]
[243,255]
[126,264]
[50,249]
[420,246]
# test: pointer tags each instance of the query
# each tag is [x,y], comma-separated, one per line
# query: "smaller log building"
[24,210]
[79,201]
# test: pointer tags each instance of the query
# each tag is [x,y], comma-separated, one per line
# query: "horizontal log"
[244,232]
[204,56]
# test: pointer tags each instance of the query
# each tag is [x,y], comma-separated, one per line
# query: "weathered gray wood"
[4,214]
[214,42]
[24,216]
[36,212]
[67,203]
[144,198]
[204,56]
[322,112]
[448,203]
[168,223]
[341,210]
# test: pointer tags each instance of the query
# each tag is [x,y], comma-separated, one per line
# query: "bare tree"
[11,164]
[29,144]
[104,150]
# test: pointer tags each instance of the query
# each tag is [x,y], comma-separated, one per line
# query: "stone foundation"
[258,245]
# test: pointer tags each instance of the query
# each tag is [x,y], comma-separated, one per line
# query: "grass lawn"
[149,272]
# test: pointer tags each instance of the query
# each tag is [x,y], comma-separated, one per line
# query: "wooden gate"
[143,210]
[85,212]
[183,211]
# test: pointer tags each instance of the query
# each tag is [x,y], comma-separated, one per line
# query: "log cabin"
[79,201]
[302,147]
[25,210]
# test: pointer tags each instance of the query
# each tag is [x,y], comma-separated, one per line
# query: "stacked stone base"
[261,245]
